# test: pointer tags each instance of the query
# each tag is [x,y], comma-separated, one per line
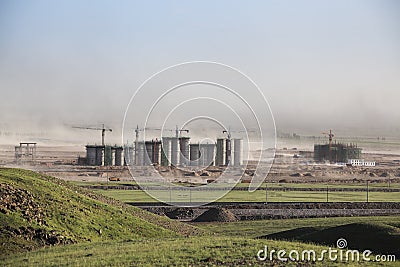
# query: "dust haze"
[320,66]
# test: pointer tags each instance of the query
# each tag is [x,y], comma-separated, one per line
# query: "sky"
[320,64]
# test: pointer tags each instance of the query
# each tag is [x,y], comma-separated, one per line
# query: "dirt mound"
[216,215]
[180,213]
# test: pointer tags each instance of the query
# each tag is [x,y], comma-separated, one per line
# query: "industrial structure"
[167,151]
[103,131]
[25,153]
[172,151]
[197,154]
[336,152]
[105,155]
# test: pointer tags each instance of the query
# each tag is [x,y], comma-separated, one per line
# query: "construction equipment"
[330,136]
[155,147]
[103,131]
[229,132]
[228,146]
[178,131]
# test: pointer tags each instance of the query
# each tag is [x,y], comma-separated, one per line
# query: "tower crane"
[177,131]
[330,136]
[228,148]
[103,131]
[138,130]
[229,132]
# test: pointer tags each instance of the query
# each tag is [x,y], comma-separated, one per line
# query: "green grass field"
[258,196]
[330,185]
[199,251]
[226,248]
[281,185]
[133,237]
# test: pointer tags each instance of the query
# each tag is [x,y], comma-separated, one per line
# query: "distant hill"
[38,210]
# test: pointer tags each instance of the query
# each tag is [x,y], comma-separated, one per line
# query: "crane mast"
[103,131]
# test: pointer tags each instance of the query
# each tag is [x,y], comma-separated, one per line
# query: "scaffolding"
[25,153]
[336,152]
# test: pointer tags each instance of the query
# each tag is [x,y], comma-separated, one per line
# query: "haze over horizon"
[320,64]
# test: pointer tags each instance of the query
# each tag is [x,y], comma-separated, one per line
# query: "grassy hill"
[38,210]
[379,237]
[255,229]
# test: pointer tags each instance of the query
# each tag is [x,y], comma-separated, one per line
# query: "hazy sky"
[321,64]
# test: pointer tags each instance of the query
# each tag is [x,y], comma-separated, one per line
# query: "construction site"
[169,151]
[166,151]
[200,133]
[329,176]
[180,160]
[336,152]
